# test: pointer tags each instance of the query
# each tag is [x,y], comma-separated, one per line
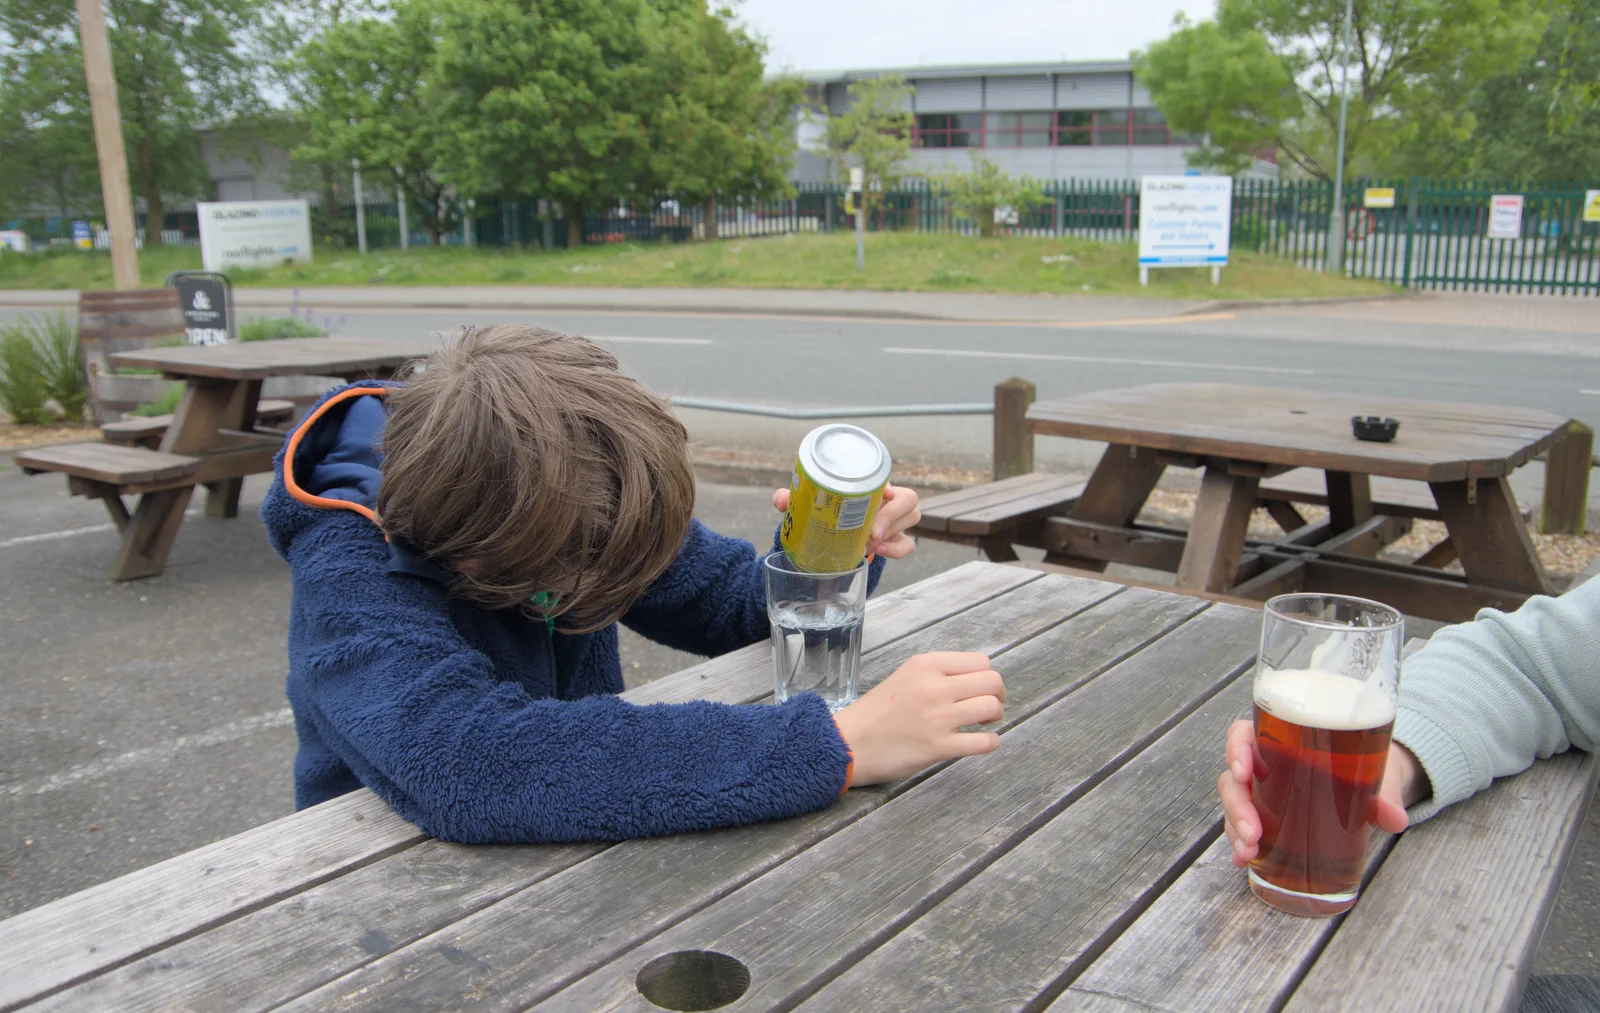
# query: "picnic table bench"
[214,439]
[1276,448]
[1079,867]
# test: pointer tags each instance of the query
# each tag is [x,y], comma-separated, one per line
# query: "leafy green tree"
[1264,76]
[874,134]
[363,91]
[722,129]
[180,65]
[546,98]
[980,196]
[47,155]
[1541,119]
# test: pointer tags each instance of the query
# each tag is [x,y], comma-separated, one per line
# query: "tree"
[546,98]
[180,66]
[983,195]
[723,129]
[363,91]
[1541,119]
[1264,76]
[874,134]
[47,154]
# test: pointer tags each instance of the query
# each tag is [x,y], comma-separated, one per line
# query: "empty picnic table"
[212,440]
[1244,436]
[1080,866]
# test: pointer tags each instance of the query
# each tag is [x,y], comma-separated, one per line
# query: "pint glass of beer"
[1326,684]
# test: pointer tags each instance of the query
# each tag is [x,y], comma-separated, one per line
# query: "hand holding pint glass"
[1326,685]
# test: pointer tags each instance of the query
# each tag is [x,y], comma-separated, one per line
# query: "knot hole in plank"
[692,980]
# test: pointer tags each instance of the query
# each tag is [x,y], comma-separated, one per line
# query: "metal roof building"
[1082,120]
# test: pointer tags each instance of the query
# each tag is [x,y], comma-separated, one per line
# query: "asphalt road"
[146,719]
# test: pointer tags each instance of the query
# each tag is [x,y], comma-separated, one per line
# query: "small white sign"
[1505,216]
[14,240]
[1184,221]
[254,233]
[857,176]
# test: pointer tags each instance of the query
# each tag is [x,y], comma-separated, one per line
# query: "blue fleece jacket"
[482,725]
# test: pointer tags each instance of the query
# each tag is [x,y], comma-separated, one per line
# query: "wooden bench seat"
[147,432]
[1395,497]
[108,463]
[990,516]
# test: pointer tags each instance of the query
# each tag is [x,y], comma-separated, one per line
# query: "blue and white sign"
[1184,220]
[82,238]
[254,233]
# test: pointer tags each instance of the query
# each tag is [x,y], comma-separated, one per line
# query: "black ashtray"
[1373,429]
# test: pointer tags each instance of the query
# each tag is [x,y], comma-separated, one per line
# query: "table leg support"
[1115,494]
[150,533]
[1216,540]
[222,498]
[1349,504]
[1488,531]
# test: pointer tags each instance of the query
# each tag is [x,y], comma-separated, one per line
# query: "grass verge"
[896,261]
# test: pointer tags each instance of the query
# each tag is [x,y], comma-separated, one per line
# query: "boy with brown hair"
[462,546]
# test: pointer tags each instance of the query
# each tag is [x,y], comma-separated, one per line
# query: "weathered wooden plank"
[1035,918]
[532,944]
[1150,585]
[937,510]
[256,360]
[802,924]
[1486,528]
[1216,539]
[745,675]
[50,947]
[1453,918]
[1207,944]
[108,462]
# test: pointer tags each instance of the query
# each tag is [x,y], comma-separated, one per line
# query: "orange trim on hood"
[294,446]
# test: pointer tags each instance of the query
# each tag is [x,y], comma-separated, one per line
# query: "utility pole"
[405,229]
[114,190]
[1336,227]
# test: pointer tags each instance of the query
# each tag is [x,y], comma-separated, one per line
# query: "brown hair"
[528,456]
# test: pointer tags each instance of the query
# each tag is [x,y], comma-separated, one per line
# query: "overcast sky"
[858,34]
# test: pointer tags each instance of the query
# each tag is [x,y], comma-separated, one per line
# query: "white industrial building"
[1080,120]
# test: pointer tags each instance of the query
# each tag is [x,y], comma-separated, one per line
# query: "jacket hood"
[331,462]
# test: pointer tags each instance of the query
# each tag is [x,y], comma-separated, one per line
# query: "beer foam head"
[1329,700]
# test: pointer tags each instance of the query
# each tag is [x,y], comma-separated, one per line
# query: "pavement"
[146,719]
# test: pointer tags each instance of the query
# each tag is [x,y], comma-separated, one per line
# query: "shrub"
[56,341]
[988,197]
[166,406]
[22,382]
[273,328]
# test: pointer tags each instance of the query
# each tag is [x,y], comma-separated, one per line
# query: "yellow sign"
[1591,206]
[1379,197]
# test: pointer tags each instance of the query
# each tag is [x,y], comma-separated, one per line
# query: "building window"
[1017,130]
[1074,126]
[1150,127]
[948,130]
[1111,128]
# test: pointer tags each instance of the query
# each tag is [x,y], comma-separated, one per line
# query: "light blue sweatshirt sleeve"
[1485,699]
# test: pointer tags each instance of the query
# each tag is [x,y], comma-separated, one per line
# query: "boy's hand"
[1404,783]
[897,515]
[913,719]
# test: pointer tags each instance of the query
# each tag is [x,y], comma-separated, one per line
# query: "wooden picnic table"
[212,440]
[1080,866]
[1243,435]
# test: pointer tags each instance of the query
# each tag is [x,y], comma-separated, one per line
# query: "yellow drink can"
[834,495]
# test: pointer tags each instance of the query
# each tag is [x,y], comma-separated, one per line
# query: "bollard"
[1013,444]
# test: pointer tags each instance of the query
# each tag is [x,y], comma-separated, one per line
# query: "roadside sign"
[1184,221]
[1505,216]
[15,240]
[207,306]
[254,233]
[857,176]
[1378,197]
[82,238]
[1591,206]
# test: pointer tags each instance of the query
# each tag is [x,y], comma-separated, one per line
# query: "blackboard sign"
[207,306]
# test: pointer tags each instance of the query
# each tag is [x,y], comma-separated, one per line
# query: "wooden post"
[1013,444]
[1566,482]
[108,143]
